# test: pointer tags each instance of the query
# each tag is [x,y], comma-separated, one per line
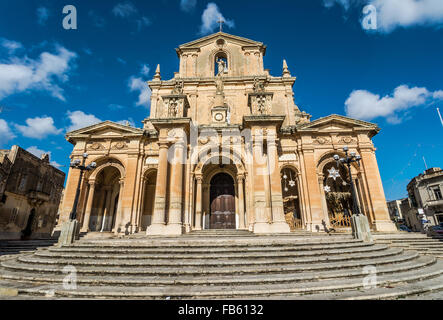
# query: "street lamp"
[359,222]
[348,160]
[76,165]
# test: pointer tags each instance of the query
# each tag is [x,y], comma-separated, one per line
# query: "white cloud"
[140,86]
[210,17]
[137,84]
[124,9]
[406,13]
[145,70]
[37,152]
[122,61]
[438,95]
[44,74]
[97,20]
[10,45]
[365,105]
[114,106]
[143,22]
[79,119]
[392,14]
[38,128]
[187,5]
[56,164]
[5,132]
[130,121]
[345,3]
[42,15]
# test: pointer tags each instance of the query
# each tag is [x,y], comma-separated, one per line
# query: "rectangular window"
[13,216]
[437,193]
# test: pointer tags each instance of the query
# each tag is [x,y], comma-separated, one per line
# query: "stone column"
[108,191]
[142,202]
[158,220]
[323,199]
[261,205]
[376,193]
[176,194]
[198,204]
[241,202]
[313,200]
[279,224]
[85,227]
[119,207]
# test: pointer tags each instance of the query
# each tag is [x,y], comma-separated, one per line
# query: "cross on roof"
[221,21]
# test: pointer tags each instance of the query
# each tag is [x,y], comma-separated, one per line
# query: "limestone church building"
[224,147]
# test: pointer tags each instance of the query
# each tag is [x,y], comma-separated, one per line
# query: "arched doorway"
[149,180]
[291,199]
[105,201]
[26,233]
[338,195]
[222,202]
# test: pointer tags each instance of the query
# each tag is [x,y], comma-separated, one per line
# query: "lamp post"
[70,228]
[348,160]
[359,222]
[76,165]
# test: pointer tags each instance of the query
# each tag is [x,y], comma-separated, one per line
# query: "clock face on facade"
[218,116]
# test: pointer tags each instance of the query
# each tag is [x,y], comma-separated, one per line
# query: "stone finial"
[45,157]
[157,75]
[286,72]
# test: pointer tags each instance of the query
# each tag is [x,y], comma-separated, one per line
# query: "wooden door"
[222,202]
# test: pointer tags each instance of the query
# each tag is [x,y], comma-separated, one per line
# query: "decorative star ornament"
[333,173]
[292,183]
[327,188]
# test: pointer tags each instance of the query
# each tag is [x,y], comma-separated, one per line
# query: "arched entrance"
[291,200]
[105,201]
[338,195]
[26,233]
[149,182]
[222,202]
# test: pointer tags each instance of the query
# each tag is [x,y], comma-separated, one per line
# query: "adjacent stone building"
[395,210]
[224,147]
[426,196]
[30,193]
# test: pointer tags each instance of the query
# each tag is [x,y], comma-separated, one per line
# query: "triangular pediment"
[220,35]
[105,129]
[334,123]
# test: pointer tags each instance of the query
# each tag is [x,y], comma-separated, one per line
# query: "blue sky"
[53,80]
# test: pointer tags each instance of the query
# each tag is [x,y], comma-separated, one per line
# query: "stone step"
[193,254]
[221,280]
[208,261]
[237,243]
[206,250]
[428,289]
[226,292]
[137,268]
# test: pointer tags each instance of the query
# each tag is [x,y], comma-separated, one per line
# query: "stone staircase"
[413,241]
[8,247]
[221,265]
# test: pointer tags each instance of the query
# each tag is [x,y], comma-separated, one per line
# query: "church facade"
[224,147]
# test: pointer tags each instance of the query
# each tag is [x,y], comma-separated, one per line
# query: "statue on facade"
[258,86]
[178,87]
[219,85]
[221,67]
